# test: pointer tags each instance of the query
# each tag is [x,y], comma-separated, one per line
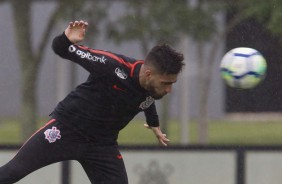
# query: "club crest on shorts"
[52,134]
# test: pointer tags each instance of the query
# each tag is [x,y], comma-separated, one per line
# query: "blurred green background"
[220,133]
[31,81]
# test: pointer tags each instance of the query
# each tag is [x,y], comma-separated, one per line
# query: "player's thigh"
[104,165]
[48,145]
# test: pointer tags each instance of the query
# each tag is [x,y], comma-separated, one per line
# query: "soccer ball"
[243,68]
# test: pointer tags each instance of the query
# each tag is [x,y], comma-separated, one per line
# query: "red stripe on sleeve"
[115,57]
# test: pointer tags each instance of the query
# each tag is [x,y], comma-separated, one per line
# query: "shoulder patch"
[149,101]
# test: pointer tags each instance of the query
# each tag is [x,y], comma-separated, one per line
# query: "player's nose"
[168,89]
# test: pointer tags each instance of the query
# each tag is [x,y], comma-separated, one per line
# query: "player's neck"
[142,78]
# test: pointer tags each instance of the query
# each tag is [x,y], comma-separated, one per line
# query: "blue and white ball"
[243,68]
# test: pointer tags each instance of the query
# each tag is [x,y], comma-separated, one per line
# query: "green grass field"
[220,132]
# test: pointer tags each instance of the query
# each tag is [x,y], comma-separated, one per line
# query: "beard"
[155,95]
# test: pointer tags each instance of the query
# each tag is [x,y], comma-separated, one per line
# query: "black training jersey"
[110,97]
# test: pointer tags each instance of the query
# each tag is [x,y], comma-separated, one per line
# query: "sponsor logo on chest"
[120,73]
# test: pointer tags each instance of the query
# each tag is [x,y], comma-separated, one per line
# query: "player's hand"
[160,136]
[75,31]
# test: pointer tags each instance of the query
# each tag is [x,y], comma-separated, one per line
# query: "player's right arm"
[75,32]
[66,46]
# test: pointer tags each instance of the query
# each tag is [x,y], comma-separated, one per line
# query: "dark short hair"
[165,59]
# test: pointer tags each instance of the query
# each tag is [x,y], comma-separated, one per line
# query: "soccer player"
[85,125]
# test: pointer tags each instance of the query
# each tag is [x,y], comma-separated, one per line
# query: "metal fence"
[240,153]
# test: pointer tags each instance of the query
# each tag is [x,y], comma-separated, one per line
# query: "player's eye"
[166,84]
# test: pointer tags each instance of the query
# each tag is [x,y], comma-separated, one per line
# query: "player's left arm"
[153,124]
[159,134]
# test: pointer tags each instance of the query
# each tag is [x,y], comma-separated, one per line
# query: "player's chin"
[158,96]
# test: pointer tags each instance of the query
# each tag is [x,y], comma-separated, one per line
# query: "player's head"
[160,70]
[165,60]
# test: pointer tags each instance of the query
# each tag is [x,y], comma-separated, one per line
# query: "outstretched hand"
[75,32]
[160,136]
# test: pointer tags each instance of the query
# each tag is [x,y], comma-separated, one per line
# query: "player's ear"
[148,72]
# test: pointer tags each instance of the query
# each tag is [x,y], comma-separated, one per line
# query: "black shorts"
[56,142]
